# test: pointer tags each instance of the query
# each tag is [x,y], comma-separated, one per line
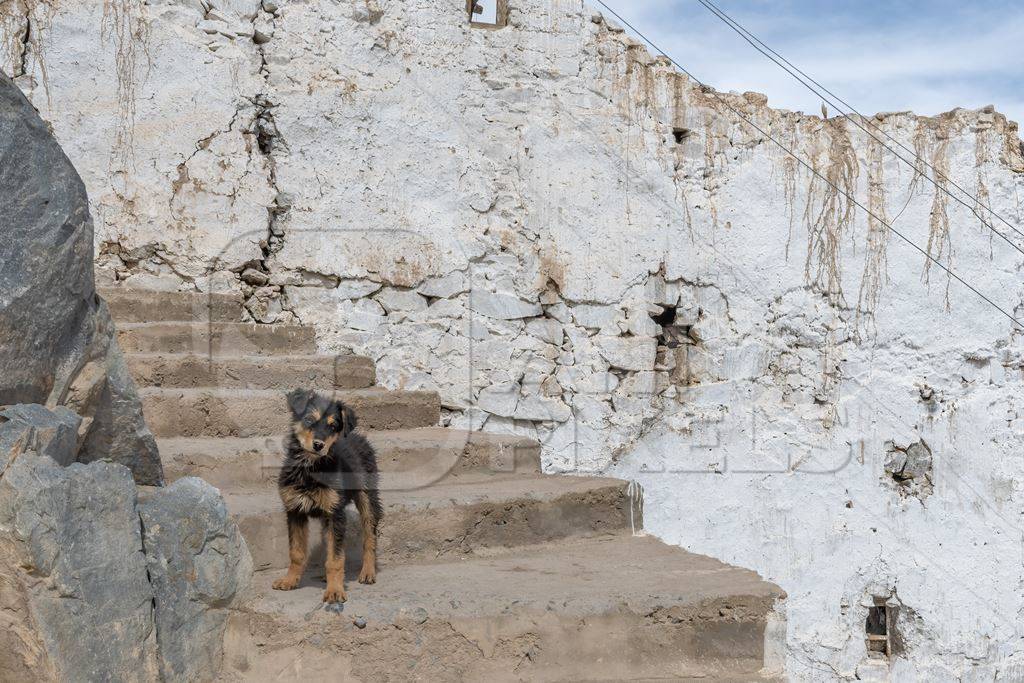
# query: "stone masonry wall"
[567,238]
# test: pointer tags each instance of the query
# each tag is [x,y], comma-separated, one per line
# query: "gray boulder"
[199,566]
[97,584]
[56,336]
[77,604]
[32,427]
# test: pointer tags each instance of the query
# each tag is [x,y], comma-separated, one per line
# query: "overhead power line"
[725,102]
[832,99]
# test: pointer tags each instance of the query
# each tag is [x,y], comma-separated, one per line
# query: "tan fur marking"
[298,543]
[335,566]
[368,574]
[304,436]
[307,501]
[330,420]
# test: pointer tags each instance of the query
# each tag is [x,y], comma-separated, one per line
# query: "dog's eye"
[308,421]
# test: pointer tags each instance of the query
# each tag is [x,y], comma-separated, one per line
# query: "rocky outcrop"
[56,334]
[74,571]
[53,433]
[198,562]
[97,586]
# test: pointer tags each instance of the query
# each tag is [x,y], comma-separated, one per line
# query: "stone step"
[182,370]
[461,514]
[219,412]
[129,305]
[602,609]
[421,456]
[216,339]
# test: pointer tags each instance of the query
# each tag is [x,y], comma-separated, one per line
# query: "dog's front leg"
[368,516]
[298,543]
[336,557]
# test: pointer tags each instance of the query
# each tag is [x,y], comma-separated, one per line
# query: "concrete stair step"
[603,609]
[456,516]
[184,370]
[422,456]
[216,339]
[129,305]
[220,412]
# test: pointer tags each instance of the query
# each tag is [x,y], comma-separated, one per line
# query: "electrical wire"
[789,68]
[809,167]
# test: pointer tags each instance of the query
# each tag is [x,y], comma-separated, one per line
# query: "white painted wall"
[493,214]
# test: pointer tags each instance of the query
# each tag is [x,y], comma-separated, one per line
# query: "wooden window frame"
[501,16]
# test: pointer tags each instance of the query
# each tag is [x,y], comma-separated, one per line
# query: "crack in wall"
[23,25]
[265,302]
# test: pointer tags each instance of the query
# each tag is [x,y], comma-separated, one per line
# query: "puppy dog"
[326,467]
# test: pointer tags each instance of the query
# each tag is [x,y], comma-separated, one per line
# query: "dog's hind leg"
[298,547]
[368,515]
[335,528]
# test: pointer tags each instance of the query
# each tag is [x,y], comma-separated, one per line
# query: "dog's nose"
[318,446]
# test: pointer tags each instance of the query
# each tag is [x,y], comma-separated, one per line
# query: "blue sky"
[928,56]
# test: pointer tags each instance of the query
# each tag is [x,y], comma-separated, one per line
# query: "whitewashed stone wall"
[501,215]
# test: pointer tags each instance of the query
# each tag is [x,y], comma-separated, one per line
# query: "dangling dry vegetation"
[789,176]
[940,245]
[875,258]
[124,21]
[982,200]
[830,211]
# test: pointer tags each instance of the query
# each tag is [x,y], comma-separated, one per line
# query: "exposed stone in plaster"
[910,467]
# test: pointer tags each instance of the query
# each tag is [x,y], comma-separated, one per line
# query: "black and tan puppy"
[326,467]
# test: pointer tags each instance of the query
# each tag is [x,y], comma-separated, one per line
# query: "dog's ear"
[298,400]
[348,420]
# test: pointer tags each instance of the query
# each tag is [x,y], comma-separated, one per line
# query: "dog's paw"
[335,595]
[368,575]
[287,583]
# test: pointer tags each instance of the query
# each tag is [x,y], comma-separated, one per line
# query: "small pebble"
[334,607]
[360,622]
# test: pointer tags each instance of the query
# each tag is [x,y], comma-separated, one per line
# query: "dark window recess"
[877,629]
[680,134]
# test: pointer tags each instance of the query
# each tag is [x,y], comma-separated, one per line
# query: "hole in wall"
[487,12]
[666,317]
[673,335]
[680,134]
[677,350]
[878,628]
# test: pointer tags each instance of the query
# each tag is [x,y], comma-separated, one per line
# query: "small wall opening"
[488,13]
[878,629]
[672,335]
[680,135]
